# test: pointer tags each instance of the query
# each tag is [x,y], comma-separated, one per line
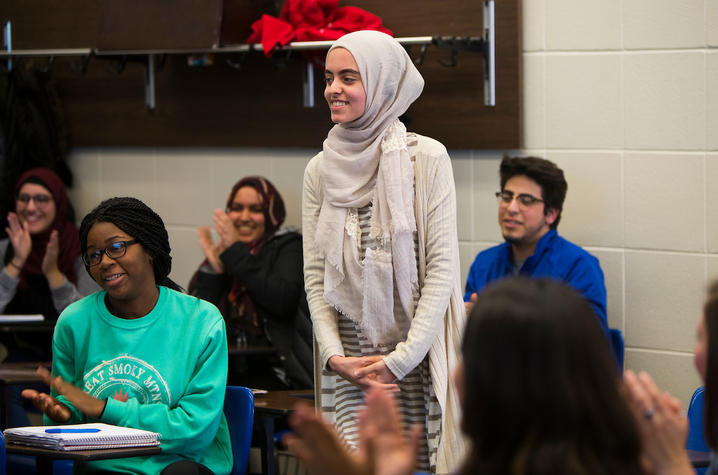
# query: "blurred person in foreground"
[540,394]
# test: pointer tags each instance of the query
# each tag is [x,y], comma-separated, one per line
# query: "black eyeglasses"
[113,251]
[40,200]
[524,199]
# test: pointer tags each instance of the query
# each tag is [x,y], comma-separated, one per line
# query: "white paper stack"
[81,437]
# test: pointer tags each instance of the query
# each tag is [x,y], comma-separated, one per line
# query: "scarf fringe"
[366,289]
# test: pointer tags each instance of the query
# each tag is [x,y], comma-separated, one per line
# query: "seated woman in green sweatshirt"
[139,353]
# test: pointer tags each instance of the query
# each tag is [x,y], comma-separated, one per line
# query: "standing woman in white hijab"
[381,259]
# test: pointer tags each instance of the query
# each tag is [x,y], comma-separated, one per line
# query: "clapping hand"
[49,261]
[382,447]
[19,235]
[662,427]
[224,226]
[469,306]
[56,410]
[381,439]
[211,249]
[316,443]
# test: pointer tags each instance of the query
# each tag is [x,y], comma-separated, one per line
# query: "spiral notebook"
[81,437]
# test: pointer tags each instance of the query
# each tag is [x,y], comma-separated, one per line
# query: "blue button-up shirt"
[554,257]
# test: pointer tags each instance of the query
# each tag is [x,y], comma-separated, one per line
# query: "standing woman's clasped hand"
[364,372]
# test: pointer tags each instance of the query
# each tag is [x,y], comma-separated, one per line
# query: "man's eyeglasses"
[40,200]
[113,251]
[524,199]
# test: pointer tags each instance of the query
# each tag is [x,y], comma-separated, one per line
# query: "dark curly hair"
[139,221]
[544,172]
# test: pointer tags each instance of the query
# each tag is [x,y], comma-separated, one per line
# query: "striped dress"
[417,403]
[429,352]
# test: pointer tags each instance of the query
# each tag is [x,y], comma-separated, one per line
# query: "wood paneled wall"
[261,104]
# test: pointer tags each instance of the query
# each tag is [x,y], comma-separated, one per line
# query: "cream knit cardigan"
[438,323]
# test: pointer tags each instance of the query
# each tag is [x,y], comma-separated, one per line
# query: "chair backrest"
[696,436]
[617,346]
[2,454]
[239,411]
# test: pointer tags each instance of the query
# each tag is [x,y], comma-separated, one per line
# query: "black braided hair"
[139,221]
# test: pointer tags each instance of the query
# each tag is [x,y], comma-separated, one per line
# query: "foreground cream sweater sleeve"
[438,219]
[439,273]
[324,316]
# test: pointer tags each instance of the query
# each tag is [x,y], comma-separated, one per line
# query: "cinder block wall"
[622,94]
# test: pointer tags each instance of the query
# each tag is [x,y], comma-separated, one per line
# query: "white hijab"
[367,160]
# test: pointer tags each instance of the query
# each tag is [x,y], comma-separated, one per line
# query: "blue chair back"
[617,346]
[239,411]
[696,437]
[2,454]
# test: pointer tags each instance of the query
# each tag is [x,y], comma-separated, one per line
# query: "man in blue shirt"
[530,204]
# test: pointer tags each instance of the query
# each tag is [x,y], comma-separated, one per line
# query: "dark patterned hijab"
[68,235]
[272,204]
[237,305]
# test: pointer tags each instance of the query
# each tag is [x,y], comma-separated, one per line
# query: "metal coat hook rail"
[483,45]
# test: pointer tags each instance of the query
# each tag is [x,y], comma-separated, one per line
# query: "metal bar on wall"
[150,82]
[489,53]
[46,52]
[308,85]
[7,40]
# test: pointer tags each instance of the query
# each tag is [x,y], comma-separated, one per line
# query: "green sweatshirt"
[165,372]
